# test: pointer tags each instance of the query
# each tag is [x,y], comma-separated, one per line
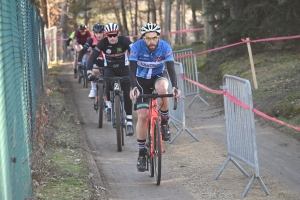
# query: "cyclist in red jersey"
[81,35]
[92,42]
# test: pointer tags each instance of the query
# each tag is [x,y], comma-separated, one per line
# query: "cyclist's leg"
[161,86]
[108,72]
[144,86]
[124,71]
[75,63]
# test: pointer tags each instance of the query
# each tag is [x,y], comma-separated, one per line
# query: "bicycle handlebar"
[155,95]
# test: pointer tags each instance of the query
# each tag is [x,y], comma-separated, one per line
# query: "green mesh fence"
[22,69]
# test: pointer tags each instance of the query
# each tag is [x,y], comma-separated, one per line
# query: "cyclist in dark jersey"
[116,50]
[91,42]
[149,59]
[81,35]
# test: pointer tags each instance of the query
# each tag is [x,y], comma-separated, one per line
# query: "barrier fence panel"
[189,63]
[178,116]
[240,129]
[51,41]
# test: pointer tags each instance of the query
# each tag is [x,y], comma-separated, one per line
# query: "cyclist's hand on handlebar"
[134,93]
[176,92]
[91,77]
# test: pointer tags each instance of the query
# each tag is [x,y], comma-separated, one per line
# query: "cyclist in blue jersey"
[149,59]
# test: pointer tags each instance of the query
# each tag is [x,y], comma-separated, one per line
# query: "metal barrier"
[240,129]
[189,62]
[178,116]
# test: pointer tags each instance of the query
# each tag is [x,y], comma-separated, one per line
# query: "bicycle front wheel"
[100,104]
[157,152]
[118,120]
[150,159]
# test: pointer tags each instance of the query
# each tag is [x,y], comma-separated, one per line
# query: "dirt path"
[188,166]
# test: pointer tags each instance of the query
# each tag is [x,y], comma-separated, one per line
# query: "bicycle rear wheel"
[100,104]
[79,73]
[118,120]
[157,152]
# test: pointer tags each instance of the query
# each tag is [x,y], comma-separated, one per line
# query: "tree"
[167,24]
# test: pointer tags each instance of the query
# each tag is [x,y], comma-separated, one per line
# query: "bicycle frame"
[153,115]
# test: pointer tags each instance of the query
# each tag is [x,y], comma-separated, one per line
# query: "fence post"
[252,63]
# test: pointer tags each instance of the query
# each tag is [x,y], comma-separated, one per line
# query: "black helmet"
[82,27]
[98,28]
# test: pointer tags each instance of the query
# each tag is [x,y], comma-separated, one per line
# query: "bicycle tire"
[100,104]
[118,120]
[157,152]
[79,73]
[151,167]
[86,80]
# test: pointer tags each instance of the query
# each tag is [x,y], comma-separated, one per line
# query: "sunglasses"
[97,32]
[112,35]
[82,31]
[151,38]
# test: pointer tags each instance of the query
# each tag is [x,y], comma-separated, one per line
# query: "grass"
[65,172]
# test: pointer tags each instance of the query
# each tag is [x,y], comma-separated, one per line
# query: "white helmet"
[111,27]
[150,27]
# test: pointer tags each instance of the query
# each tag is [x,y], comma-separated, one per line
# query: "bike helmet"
[98,28]
[150,27]
[111,27]
[82,27]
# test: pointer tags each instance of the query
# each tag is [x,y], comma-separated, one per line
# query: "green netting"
[22,69]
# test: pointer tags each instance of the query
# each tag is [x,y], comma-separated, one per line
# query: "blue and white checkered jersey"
[150,64]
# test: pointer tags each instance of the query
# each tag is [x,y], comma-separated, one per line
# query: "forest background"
[224,22]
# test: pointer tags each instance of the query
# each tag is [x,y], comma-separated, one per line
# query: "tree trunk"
[183,22]
[136,17]
[64,25]
[125,27]
[167,19]
[153,11]
[208,28]
[194,18]
[148,10]
[44,12]
[160,13]
[177,36]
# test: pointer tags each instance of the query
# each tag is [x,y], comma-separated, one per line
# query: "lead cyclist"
[149,59]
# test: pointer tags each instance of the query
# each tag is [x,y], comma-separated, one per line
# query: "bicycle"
[82,72]
[99,104]
[118,114]
[154,144]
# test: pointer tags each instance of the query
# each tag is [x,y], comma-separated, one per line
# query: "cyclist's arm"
[94,55]
[88,43]
[68,41]
[132,73]
[172,73]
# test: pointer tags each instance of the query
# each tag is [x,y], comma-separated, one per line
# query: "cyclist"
[115,49]
[71,37]
[81,35]
[98,30]
[149,57]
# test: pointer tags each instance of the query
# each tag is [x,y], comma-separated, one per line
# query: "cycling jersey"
[150,64]
[81,39]
[116,55]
